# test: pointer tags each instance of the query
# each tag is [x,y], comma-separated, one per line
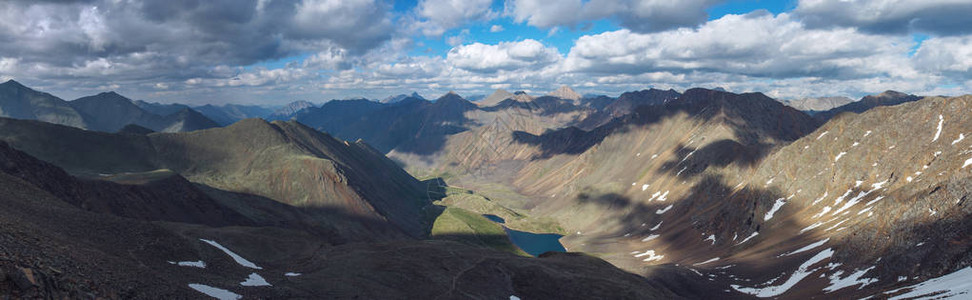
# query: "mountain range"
[698,194]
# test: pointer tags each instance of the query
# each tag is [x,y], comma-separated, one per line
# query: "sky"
[276,51]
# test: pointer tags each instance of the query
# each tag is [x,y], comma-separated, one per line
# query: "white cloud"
[441,15]
[948,55]
[637,15]
[496,28]
[759,45]
[479,57]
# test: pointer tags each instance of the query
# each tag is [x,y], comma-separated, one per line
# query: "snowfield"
[239,259]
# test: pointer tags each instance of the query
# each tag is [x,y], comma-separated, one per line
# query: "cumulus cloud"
[147,41]
[496,28]
[484,58]
[942,17]
[437,16]
[636,15]
[757,44]
[949,56]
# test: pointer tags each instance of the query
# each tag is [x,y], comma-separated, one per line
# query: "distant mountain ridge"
[566,93]
[20,102]
[399,98]
[108,112]
[886,98]
[818,104]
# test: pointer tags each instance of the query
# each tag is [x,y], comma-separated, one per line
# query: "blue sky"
[277,51]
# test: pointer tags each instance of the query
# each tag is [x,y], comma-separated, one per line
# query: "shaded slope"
[297,165]
[232,113]
[20,102]
[283,161]
[110,112]
[626,104]
[887,98]
[68,252]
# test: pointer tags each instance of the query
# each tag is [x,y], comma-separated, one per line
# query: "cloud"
[496,28]
[948,56]
[757,44]
[484,58]
[941,17]
[437,16]
[638,16]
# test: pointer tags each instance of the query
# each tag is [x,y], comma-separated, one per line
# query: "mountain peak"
[13,83]
[891,94]
[495,98]
[565,92]
[400,97]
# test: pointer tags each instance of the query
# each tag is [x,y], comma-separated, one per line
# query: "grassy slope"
[464,226]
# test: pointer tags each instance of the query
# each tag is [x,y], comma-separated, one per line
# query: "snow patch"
[644,187]
[682,170]
[967,163]
[747,239]
[217,293]
[239,259]
[837,283]
[653,196]
[822,134]
[873,201]
[650,237]
[836,158]
[802,272]
[292,274]
[197,264]
[819,199]
[255,280]
[651,256]
[959,139]
[951,285]
[941,120]
[656,226]
[705,262]
[851,202]
[776,206]
[664,210]
[807,248]
[712,238]
[825,210]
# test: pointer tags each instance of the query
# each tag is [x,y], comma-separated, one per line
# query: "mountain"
[626,103]
[887,98]
[159,108]
[400,97]
[522,96]
[231,113]
[749,193]
[818,104]
[110,112]
[64,236]
[566,93]
[495,98]
[20,102]
[187,120]
[290,109]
